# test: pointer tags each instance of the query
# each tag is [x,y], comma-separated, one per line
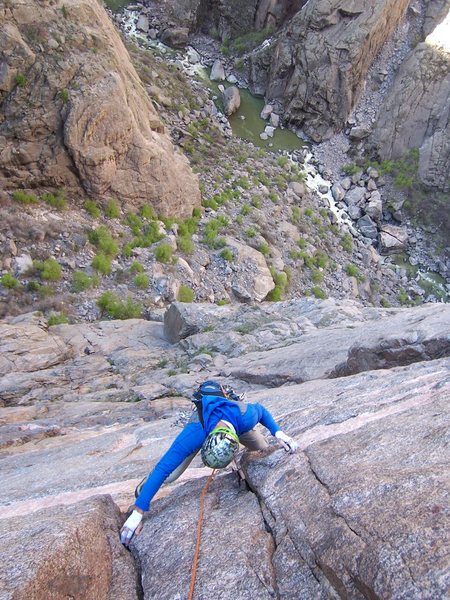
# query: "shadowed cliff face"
[416,113]
[320,61]
[75,114]
[359,512]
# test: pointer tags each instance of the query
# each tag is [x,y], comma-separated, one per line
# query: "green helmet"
[219,448]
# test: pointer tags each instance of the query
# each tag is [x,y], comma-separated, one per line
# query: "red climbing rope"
[199,532]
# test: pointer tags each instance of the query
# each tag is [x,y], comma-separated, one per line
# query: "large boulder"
[67,552]
[251,279]
[416,112]
[231,100]
[392,239]
[92,128]
[322,57]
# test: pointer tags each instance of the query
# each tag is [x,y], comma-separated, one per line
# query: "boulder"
[355,196]
[217,71]
[367,227]
[374,207]
[274,120]
[252,273]
[392,239]
[359,133]
[175,37]
[266,111]
[231,100]
[142,23]
[67,552]
[322,57]
[338,192]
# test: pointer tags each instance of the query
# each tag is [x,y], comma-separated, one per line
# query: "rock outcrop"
[321,59]
[416,113]
[48,555]
[75,115]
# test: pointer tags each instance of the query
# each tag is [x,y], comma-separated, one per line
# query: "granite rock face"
[322,57]
[416,113]
[74,113]
[359,512]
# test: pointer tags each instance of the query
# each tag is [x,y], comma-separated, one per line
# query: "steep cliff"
[416,112]
[321,59]
[75,115]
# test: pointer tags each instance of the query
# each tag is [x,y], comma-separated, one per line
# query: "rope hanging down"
[199,532]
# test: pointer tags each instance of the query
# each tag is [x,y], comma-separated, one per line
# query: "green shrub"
[20,80]
[308,212]
[197,212]
[110,304]
[135,223]
[147,212]
[57,319]
[246,210]
[384,303]
[296,214]
[185,294]
[302,243]
[64,95]
[127,250]
[142,281]
[274,197]
[92,208]
[347,242]
[318,293]
[185,244]
[103,240]
[403,297]
[264,248]
[49,270]
[222,302]
[8,281]
[317,276]
[211,231]
[276,294]
[164,253]
[250,232]
[353,271]
[243,183]
[320,259]
[81,281]
[351,169]
[23,198]
[112,210]
[227,254]
[56,200]
[282,161]
[256,201]
[102,264]
[137,267]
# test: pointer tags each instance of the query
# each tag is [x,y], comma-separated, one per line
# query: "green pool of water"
[249,127]
[116,5]
[431,283]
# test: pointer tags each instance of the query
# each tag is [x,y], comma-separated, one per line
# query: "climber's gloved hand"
[130,526]
[287,442]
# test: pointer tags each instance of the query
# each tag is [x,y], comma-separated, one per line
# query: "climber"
[218,424]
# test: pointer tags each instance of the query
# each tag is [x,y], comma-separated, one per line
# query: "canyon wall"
[75,115]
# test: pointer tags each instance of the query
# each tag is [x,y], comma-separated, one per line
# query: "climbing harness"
[199,531]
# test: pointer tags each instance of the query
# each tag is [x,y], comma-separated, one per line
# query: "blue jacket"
[190,440]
